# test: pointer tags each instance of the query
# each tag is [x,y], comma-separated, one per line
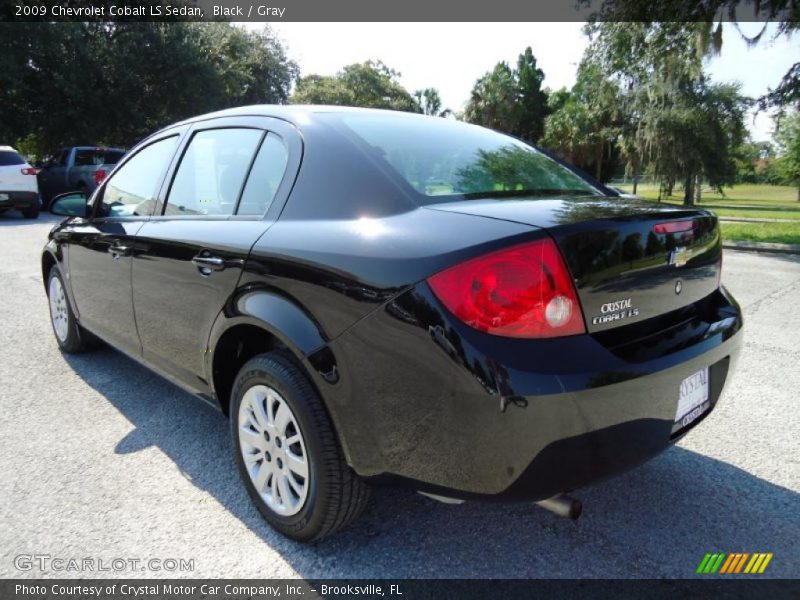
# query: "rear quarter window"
[265,177]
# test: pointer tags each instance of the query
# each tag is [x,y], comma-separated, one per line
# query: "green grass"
[784,233]
[753,201]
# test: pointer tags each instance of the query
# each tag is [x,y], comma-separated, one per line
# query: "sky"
[451,56]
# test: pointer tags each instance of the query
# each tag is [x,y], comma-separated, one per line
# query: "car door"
[219,198]
[100,248]
[51,177]
[83,157]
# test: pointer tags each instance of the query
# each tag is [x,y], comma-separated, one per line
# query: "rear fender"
[284,319]
[273,312]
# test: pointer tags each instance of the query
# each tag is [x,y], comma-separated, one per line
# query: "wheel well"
[237,345]
[47,263]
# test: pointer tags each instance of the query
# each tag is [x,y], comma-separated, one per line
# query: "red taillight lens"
[524,291]
[99,176]
[674,227]
[30,171]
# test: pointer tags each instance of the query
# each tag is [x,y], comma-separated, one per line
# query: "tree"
[511,100]
[787,136]
[694,135]
[678,124]
[532,107]
[702,19]
[492,101]
[113,83]
[430,103]
[585,123]
[369,84]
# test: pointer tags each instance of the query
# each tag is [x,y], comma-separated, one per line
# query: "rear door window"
[211,173]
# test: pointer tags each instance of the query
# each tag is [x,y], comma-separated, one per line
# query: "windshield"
[444,159]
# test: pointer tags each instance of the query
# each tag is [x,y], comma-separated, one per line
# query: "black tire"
[76,338]
[336,495]
[32,212]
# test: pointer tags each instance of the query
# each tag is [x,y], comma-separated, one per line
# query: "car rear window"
[97,157]
[109,157]
[9,158]
[444,159]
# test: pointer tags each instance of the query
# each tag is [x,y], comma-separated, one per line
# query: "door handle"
[206,263]
[117,250]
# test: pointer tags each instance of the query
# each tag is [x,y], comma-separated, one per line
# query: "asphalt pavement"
[102,459]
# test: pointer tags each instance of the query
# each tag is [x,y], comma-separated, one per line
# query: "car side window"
[265,176]
[130,191]
[62,159]
[211,173]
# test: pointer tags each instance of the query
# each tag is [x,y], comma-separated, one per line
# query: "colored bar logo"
[733,563]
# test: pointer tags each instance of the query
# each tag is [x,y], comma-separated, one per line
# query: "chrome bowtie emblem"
[679,256]
[678,286]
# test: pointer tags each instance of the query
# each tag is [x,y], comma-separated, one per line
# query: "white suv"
[18,186]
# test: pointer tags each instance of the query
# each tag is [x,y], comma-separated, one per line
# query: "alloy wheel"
[58,309]
[273,450]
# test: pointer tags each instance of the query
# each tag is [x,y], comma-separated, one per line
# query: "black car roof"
[297,114]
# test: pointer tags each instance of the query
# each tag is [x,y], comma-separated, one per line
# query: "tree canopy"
[369,84]
[787,136]
[115,83]
[511,100]
[665,114]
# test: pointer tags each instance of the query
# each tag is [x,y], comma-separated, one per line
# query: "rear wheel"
[287,452]
[69,335]
[32,212]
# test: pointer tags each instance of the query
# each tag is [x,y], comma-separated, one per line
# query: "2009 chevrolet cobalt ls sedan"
[377,297]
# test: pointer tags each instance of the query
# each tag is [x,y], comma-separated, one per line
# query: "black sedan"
[384,298]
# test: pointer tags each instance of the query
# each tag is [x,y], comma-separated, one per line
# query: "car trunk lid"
[631,260]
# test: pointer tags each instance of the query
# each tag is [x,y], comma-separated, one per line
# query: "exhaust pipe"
[563,506]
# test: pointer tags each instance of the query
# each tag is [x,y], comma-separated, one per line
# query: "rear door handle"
[117,250]
[206,263]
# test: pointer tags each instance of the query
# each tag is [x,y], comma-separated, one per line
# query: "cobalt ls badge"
[615,311]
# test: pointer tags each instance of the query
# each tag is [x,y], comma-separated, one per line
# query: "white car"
[18,186]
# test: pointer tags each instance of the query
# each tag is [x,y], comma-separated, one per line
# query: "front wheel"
[69,335]
[287,451]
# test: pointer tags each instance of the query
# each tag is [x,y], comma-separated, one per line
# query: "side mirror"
[71,204]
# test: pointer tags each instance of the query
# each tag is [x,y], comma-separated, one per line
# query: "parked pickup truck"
[78,168]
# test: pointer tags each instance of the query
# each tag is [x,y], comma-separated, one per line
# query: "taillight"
[674,226]
[99,176]
[524,291]
[30,171]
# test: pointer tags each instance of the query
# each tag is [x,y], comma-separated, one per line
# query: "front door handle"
[206,263]
[117,250]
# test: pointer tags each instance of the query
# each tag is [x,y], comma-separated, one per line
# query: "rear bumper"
[19,199]
[425,401]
